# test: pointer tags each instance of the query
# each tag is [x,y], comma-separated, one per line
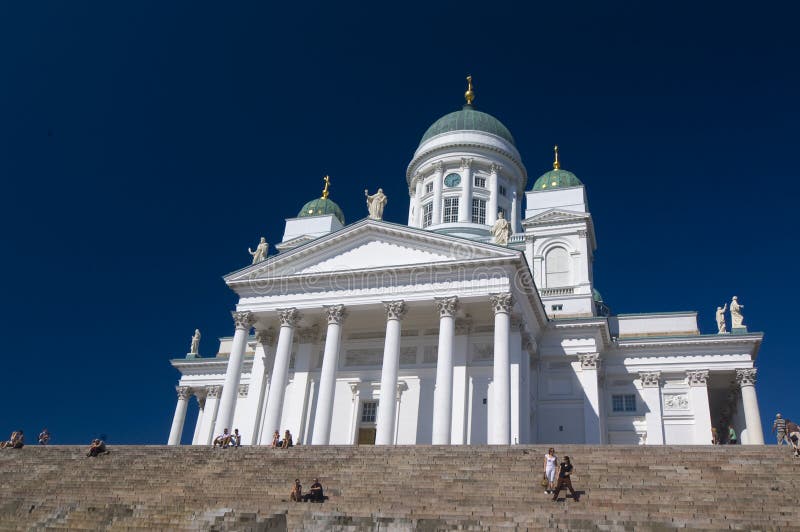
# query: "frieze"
[676,401]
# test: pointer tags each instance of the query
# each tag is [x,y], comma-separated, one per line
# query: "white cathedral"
[449,331]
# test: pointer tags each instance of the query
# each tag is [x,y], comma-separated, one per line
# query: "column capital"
[501,302]
[589,360]
[184,392]
[495,168]
[243,320]
[395,310]
[243,390]
[214,391]
[697,377]
[355,388]
[466,163]
[200,395]
[288,317]
[335,313]
[746,377]
[438,167]
[265,336]
[650,379]
[447,306]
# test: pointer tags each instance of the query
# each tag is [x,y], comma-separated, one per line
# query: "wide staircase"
[398,488]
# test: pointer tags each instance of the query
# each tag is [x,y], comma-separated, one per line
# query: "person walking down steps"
[565,480]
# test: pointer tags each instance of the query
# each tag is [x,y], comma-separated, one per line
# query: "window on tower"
[427,214]
[428,187]
[501,189]
[450,210]
[480,182]
[478,211]
[557,267]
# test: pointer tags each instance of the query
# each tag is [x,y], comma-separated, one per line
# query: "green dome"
[468,119]
[320,206]
[596,296]
[557,179]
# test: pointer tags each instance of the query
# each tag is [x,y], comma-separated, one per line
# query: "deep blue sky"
[145,145]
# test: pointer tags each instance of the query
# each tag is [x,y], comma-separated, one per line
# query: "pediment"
[556,216]
[369,245]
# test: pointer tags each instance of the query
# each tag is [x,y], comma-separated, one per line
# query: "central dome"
[468,119]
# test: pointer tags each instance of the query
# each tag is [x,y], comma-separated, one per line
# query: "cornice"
[704,339]
[208,366]
[448,146]
[601,324]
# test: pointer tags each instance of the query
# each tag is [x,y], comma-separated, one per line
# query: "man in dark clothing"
[793,432]
[315,492]
[564,480]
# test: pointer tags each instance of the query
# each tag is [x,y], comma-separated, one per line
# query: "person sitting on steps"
[287,440]
[97,448]
[44,437]
[236,438]
[223,440]
[564,480]
[12,441]
[276,439]
[315,494]
[297,491]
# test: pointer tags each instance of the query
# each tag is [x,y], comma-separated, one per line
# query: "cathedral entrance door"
[366,426]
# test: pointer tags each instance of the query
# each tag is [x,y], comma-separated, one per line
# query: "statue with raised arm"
[501,230]
[376,203]
[195,349]
[261,251]
[737,320]
[721,319]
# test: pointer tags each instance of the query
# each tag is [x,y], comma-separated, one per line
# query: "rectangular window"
[502,190]
[450,210]
[556,307]
[428,188]
[369,411]
[623,403]
[427,214]
[478,211]
[480,182]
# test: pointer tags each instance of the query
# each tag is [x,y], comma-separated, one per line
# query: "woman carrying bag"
[550,464]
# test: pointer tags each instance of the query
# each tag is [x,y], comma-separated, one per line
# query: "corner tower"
[465,170]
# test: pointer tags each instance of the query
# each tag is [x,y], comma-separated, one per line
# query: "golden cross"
[556,164]
[325,190]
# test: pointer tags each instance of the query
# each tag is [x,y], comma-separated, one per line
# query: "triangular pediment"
[556,216]
[369,245]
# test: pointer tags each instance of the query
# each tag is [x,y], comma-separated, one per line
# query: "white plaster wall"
[311,225]
[568,199]
[633,325]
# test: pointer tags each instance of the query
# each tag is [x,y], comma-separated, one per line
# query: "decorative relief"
[466,163]
[746,377]
[335,313]
[676,401]
[265,336]
[589,360]
[447,306]
[582,233]
[214,391]
[243,390]
[501,302]
[650,379]
[395,310]
[243,320]
[288,317]
[697,377]
[184,392]
[495,168]
[438,167]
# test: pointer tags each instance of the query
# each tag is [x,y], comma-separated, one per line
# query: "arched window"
[557,267]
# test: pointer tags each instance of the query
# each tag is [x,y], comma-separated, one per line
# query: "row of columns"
[395,311]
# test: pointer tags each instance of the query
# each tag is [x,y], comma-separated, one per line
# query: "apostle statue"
[501,230]
[261,251]
[375,204]
[721,319]
[195,349]
[736,314]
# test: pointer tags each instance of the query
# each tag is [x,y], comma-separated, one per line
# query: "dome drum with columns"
[459,328]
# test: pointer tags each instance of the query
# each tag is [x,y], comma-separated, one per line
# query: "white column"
[280,372]
[437,192]
[651,394]
[327,379]
[590,363]
[752,417]
[265,339]
[491,209]
[418,203]
[515,357]
[443,391]
[184,392]
[465,210]
[698,399]
[500,433]
[458,431]
[212,407]
[525,389]
[395,310]
[200,395]
[227,403]
[514,221]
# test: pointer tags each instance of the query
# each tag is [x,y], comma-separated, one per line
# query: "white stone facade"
[427,333]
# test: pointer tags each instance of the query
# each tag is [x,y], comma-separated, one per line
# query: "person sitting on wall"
[223,440]
[297,491]
[97,448]
[287,440]
[315,494]
[19,443]
[276,439]
[44,437]
[236,438]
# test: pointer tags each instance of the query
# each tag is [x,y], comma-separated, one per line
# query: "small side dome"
[320,206]
[556,178]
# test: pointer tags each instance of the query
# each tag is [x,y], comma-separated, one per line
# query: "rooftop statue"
[261,251]
[375,204]
[737,320]
[195,348]
[721,319]
[501,230]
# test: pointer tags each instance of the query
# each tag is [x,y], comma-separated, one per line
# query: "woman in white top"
[550,465]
